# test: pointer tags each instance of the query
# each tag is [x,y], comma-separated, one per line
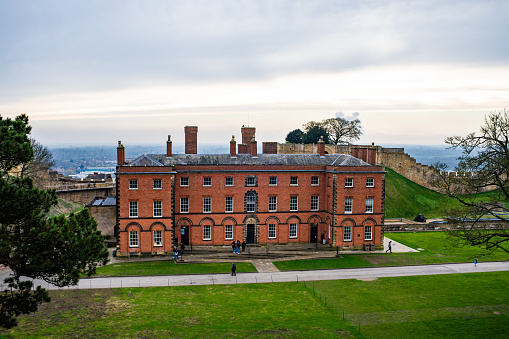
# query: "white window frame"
[158,238]
[349,182]
[157,208]
[133,239]
[184,205]
[133,184]
[228,232]
[315,180]
[157,184]
[207,181]
[370,182]
[368,232]
[315,202]
[207,232]
[272,181]
[347,233]
[273,203]
[228,181]
[228,204]
[251,181]
[207,205]
[348,205]
[133,209]
[294,203]
[251,195]
[272,231]
[293,230]
[184,181]
[294,181]
[369,205]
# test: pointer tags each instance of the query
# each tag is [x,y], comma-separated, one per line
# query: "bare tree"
[341,130]
[38,167]
[483,166]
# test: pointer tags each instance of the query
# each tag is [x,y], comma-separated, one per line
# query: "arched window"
[251,201]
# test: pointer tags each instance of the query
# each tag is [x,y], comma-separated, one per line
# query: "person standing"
[238,246]
[182,248]
[234,269]
[243,246]
[234,247]
[390,247]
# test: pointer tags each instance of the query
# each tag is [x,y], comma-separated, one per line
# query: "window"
[370,182]
[228,204]
[133,209]
[368,230]
[133,184]
[228,232]
[157,184]
[272,204]
[314,203]
[272,231]
[348,182]
[369,205]
[293,230]
[184,205]
[294,203]
[158,208]
[314,181]
[207,204]
[272,181]
[347,233]
[206,232]
[228,181]
[207,181]
[250,202]
[133,238]
[251,181]
[184,181]
[158,238]
[348,205]
[294,181]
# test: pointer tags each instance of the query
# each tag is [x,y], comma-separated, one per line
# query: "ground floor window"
[133,238]
[293,230]
[272,231]
[206,232]
[228,232]
[158,238]
[368,231]
[347,233]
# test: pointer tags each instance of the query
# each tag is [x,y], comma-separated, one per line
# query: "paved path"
[287,276]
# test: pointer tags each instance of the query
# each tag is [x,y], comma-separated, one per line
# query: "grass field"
[439,306]
[437,248]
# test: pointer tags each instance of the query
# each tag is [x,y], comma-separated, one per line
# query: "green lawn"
[438,248]
[167,267]
[286,310]
[439,306]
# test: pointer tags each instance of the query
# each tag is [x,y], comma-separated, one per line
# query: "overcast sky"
[94,72]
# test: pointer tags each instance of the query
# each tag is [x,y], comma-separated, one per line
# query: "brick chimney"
[248,133]
[191,139]
[168,147]
[233,147]
[254,148]
[321,147]
[120,154]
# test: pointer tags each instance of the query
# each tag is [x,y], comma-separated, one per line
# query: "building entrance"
[184,235]
[250,234]
[314,233]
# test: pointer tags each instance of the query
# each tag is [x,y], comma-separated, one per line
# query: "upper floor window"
[133,184]
[251,181]
[228,204]
[157,184]
[184,205]
[184,181]
[158,208]
[133,209]
[314,203]
[314,181]
[370,182]
[207,204]
[348,205]
[272,204]
[228,181]
[369,205]
[294,203]
[348,182]
[273,181]
[251,201]
[207,181]
[294,180]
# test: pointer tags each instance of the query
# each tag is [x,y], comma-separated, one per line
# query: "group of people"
[236,246]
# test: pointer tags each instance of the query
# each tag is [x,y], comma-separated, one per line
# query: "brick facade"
[261,199]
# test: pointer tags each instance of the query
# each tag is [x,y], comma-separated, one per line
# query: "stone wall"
[105,217]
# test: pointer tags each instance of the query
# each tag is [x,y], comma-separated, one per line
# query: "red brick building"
[209,199]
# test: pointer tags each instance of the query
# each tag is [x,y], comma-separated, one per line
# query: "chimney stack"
[233,147]
[321,147]
[254,148]
[120,154]
[248,133]
[168,147]
[191,139]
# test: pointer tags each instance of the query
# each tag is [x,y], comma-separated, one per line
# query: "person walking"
[175,254]
[475,262]
[238,246]
[234,269]
[390,247]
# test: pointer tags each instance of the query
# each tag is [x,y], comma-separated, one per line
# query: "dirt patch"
[368,279]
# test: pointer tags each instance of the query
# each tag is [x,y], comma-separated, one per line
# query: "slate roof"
[108,201]
[247,159]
